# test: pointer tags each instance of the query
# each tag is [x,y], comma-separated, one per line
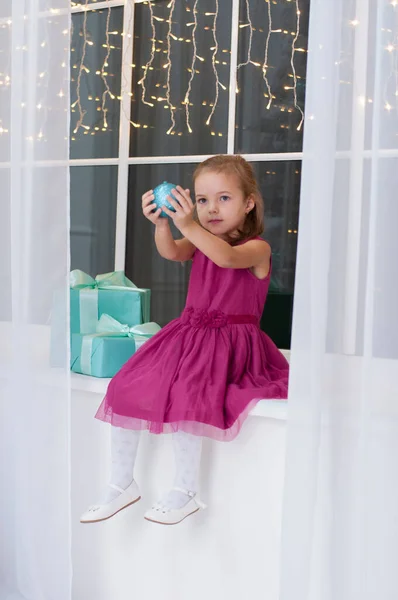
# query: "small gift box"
[110,293]
[102,354]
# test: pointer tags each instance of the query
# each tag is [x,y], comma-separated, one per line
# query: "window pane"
[149,135]
[93,218]
[5,247]
[97,136]
[385,118]
[6,101]
[262,125]
[280,186]
[42,107]
[168,280]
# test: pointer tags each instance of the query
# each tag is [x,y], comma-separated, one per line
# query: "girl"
[202,373]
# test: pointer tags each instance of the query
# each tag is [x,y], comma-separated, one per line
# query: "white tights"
[187,451]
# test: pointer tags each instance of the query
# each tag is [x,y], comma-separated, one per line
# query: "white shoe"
[101,512]
[172,516]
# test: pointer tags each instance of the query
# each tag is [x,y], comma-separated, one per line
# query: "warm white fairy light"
[396,80]
[149,63]
[213,62]
[265,64]
[391,83]
[249,50]
[391,75]
[127,27]
[168,94]
[293,67]
[194,57]
[41,106]
[107,91]
[78,103]
[167,46]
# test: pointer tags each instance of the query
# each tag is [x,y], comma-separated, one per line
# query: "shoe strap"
[186,492]
[116,487]
[191,495]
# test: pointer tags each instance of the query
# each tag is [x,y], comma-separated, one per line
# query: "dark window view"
[95,92]
[169,97]
[270,99]
[93,218]
[280,187]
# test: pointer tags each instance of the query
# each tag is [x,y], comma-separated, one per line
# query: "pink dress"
[203,372]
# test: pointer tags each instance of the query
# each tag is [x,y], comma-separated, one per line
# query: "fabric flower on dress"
[197,318]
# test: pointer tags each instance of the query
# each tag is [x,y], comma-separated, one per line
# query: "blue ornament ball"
[161,192]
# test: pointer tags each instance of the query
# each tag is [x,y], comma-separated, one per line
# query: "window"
[156,88]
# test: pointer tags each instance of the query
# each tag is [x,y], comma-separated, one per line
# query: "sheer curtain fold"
[340,522]
[35,549]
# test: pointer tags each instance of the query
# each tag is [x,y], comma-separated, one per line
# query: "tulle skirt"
[201,380]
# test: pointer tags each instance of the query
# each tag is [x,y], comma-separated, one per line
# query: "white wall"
[230,551]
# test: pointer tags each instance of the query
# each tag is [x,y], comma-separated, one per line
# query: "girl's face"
[221,205]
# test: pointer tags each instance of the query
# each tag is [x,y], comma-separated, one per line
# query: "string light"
[187,95]
[149,63]
[213,62]
[293,67]
[42,85]
[100,124]
[107,91]
[82,113]
[249,50]
[127,27]
[391,82]
[168,94]
[265,64]
[166,46]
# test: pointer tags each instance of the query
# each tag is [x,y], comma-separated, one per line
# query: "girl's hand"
[184,208]
[148,207]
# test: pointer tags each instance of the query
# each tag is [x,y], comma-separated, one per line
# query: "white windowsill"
[270,409]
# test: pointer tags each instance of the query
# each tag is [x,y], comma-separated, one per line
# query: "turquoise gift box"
[110,293]
[103,354]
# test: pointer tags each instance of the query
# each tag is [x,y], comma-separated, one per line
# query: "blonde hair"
[236,165]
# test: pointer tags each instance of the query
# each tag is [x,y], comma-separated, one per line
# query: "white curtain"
[340,525]
[35,547]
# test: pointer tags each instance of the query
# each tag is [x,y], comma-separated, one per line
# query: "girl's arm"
[177,250]
[253,253]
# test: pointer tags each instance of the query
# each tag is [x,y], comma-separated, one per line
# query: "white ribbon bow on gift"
[107,326]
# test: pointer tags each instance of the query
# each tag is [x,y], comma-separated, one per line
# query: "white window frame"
[124,160]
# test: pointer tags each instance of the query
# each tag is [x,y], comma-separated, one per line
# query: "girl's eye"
[200,200]
[224,198]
